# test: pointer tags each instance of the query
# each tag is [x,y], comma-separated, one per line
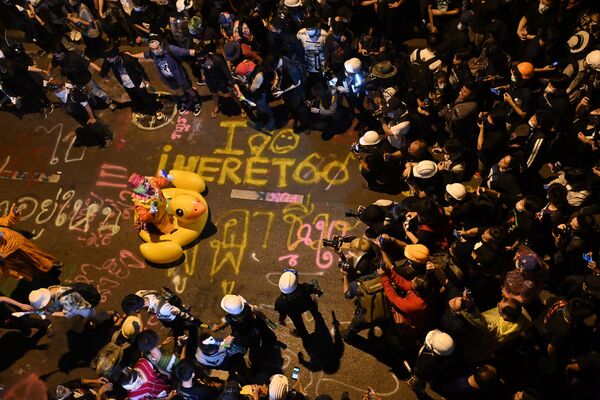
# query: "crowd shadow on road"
[15,345]
[83,344]
[324,350]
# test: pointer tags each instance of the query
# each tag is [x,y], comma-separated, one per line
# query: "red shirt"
[411,307]
[154,385]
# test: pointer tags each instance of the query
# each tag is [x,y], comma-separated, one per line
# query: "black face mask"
[594,120]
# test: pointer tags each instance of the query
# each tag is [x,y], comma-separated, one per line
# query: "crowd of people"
[482,283]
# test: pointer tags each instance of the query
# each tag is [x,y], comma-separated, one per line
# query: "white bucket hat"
[288,282]
[233,304]
[39,298]
[370,138]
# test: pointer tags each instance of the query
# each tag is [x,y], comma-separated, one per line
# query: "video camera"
[357,148]
[362,261]
[335,242]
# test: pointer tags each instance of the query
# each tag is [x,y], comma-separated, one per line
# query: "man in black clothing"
[192,389]
[132,77]
[76,69]
[295,299]
[556,100]
[217,76]
[535,151]
[287,79]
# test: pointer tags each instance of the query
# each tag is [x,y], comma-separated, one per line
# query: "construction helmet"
[525,69]
[233,304]
[288,282]
[417,252]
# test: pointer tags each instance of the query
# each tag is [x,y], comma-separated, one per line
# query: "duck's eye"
[179,212]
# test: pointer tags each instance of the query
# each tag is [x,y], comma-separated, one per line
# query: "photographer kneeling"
[360,282]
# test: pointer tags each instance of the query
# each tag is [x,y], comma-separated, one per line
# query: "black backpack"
[420,77]
[87,291]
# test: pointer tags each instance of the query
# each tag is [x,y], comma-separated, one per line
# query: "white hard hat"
[425,169]
[292,3]
[439,342]
[370,138]
[593,60]
[233,304]
[39,298]
[288,282]
[353,65]
[457,190]
[278,387]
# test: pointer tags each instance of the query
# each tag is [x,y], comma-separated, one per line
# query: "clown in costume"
[149,203]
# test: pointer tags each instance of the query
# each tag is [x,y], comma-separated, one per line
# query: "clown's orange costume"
[149,203]
[19,256]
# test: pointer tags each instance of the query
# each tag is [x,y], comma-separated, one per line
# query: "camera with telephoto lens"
[335,242]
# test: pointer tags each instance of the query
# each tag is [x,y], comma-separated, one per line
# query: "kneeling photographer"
[358,265]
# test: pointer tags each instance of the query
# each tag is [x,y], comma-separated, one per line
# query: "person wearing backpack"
[67,301]
[423,63]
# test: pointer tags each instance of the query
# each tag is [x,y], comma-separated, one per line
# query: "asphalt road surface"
[272,200]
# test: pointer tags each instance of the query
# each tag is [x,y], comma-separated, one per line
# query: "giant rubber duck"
[168,218]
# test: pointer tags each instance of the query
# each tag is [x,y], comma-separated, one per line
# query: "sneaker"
[197,109]
[112,107]
[200,83]
[43,113]
[181,108]
[50,109]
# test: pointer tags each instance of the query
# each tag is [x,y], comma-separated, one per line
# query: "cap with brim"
[578,42]
[383,70]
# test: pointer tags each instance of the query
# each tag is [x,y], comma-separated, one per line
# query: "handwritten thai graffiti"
[181,127]
[305,228]
[261,163]
[96,219]
[111,175]
[110,274]
[61,142]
